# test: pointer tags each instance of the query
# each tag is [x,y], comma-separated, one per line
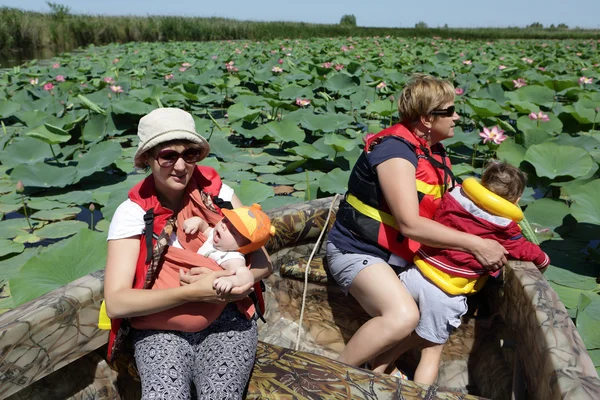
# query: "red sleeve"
[522,249]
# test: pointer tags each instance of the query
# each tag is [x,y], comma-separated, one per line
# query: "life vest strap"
[371,212]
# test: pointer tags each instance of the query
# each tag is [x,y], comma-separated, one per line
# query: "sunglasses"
[446,112]
[167,158]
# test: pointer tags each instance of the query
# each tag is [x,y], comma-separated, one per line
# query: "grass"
[25,30]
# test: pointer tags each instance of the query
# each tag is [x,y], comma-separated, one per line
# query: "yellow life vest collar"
[490,201]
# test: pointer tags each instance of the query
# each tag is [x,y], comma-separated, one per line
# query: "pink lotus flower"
[519,83]
[34,81]
[540,116]
[186,65]
[273,51]
[214,57]
[182,69]
[541,68]
[169,77]
[59,78]
[381,85]
[459,91]
[326,65]
[339,67]
[495,135]
[116,60]
[467,62]
[277,69]
[56,65]
[344,48]
[280,61]
[527,60]
[302,102]
[108,79]
[501,67]
[116,89]
[48,86]
[381,54]
[585,81]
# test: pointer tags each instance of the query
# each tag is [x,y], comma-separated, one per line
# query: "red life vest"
[364,210]
[144,195]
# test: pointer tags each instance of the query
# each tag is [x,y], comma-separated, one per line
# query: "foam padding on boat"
[317,272]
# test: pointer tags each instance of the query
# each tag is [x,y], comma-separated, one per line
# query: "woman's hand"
[490,254]
[200,281]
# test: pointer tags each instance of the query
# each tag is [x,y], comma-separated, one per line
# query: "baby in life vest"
[241,231]
[440,279]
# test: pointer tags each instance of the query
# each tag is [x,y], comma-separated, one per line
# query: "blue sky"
[389,13]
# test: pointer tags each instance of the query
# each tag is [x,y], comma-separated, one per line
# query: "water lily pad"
[10,247]
[547,213]
[250,192]
[11,265]
[27,238]
[266,169]
[8,208]
[57,214]
[61,229]
[540,95]
[49,134]
[62,263]
[24,150]
[285,131]
[43,204]
[43,175]
[486,108]
[551,160]
[240,111]
[100,156]
[308,151]
[586,202]
[132,107]
[335,181]
[565,277]
[588,320]
[554,125]
[512,152]
[8,108]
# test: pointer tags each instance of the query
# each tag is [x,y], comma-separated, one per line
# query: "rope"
[312,254]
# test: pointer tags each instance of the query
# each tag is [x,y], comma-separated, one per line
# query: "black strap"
[257,309]
[222,203]
[149,231]
[440,165]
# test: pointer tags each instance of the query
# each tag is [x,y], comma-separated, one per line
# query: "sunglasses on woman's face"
[167,158]
[446,112]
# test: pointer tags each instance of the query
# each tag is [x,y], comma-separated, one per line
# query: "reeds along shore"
[26,30]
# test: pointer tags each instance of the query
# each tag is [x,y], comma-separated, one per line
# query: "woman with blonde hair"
[393,191]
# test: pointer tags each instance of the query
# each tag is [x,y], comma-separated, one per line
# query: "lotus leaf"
[486,108]
[61,229]
[250,192]
[100,156]
[588,319]
[547,213]
[335,181]
[57,214]
[49,134]
[551,160]
[60,264]
[524,123]
[240,111]
[586,203]
[27,238]
[24,150]
[285,131]
[132,107]
[8,108]
[512,152]
[10,247]
[536,94]
[44,175]
[307,151]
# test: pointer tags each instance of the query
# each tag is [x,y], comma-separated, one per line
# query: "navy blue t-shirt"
[340,236]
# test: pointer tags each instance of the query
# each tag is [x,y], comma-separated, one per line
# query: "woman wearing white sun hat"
[184,333]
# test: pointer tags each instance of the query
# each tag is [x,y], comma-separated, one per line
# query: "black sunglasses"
[446,112]
[167,158]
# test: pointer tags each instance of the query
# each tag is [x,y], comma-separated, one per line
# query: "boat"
[517,341]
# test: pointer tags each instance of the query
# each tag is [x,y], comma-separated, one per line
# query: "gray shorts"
[440,312]
[345,266]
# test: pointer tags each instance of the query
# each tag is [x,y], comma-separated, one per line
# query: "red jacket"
[459,212]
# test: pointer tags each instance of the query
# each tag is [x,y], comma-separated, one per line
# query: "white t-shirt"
[128,219]
[220,256]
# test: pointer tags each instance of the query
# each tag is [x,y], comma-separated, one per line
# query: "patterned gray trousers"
[217,361]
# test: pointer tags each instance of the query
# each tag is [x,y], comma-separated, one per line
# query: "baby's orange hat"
[253,224]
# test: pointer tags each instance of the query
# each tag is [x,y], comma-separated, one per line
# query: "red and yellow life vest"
[364,210]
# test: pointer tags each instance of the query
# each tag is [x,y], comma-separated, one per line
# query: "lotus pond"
[286,121]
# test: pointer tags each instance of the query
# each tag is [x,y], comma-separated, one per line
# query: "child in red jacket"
[440,279]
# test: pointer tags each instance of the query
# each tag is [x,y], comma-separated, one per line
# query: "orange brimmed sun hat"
[164,125]
[253,224]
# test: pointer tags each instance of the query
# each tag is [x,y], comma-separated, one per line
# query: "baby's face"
[226,237]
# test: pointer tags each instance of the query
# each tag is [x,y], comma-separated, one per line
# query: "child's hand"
[191,225]
[223,285]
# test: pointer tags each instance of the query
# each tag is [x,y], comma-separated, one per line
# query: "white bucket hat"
[163,125]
